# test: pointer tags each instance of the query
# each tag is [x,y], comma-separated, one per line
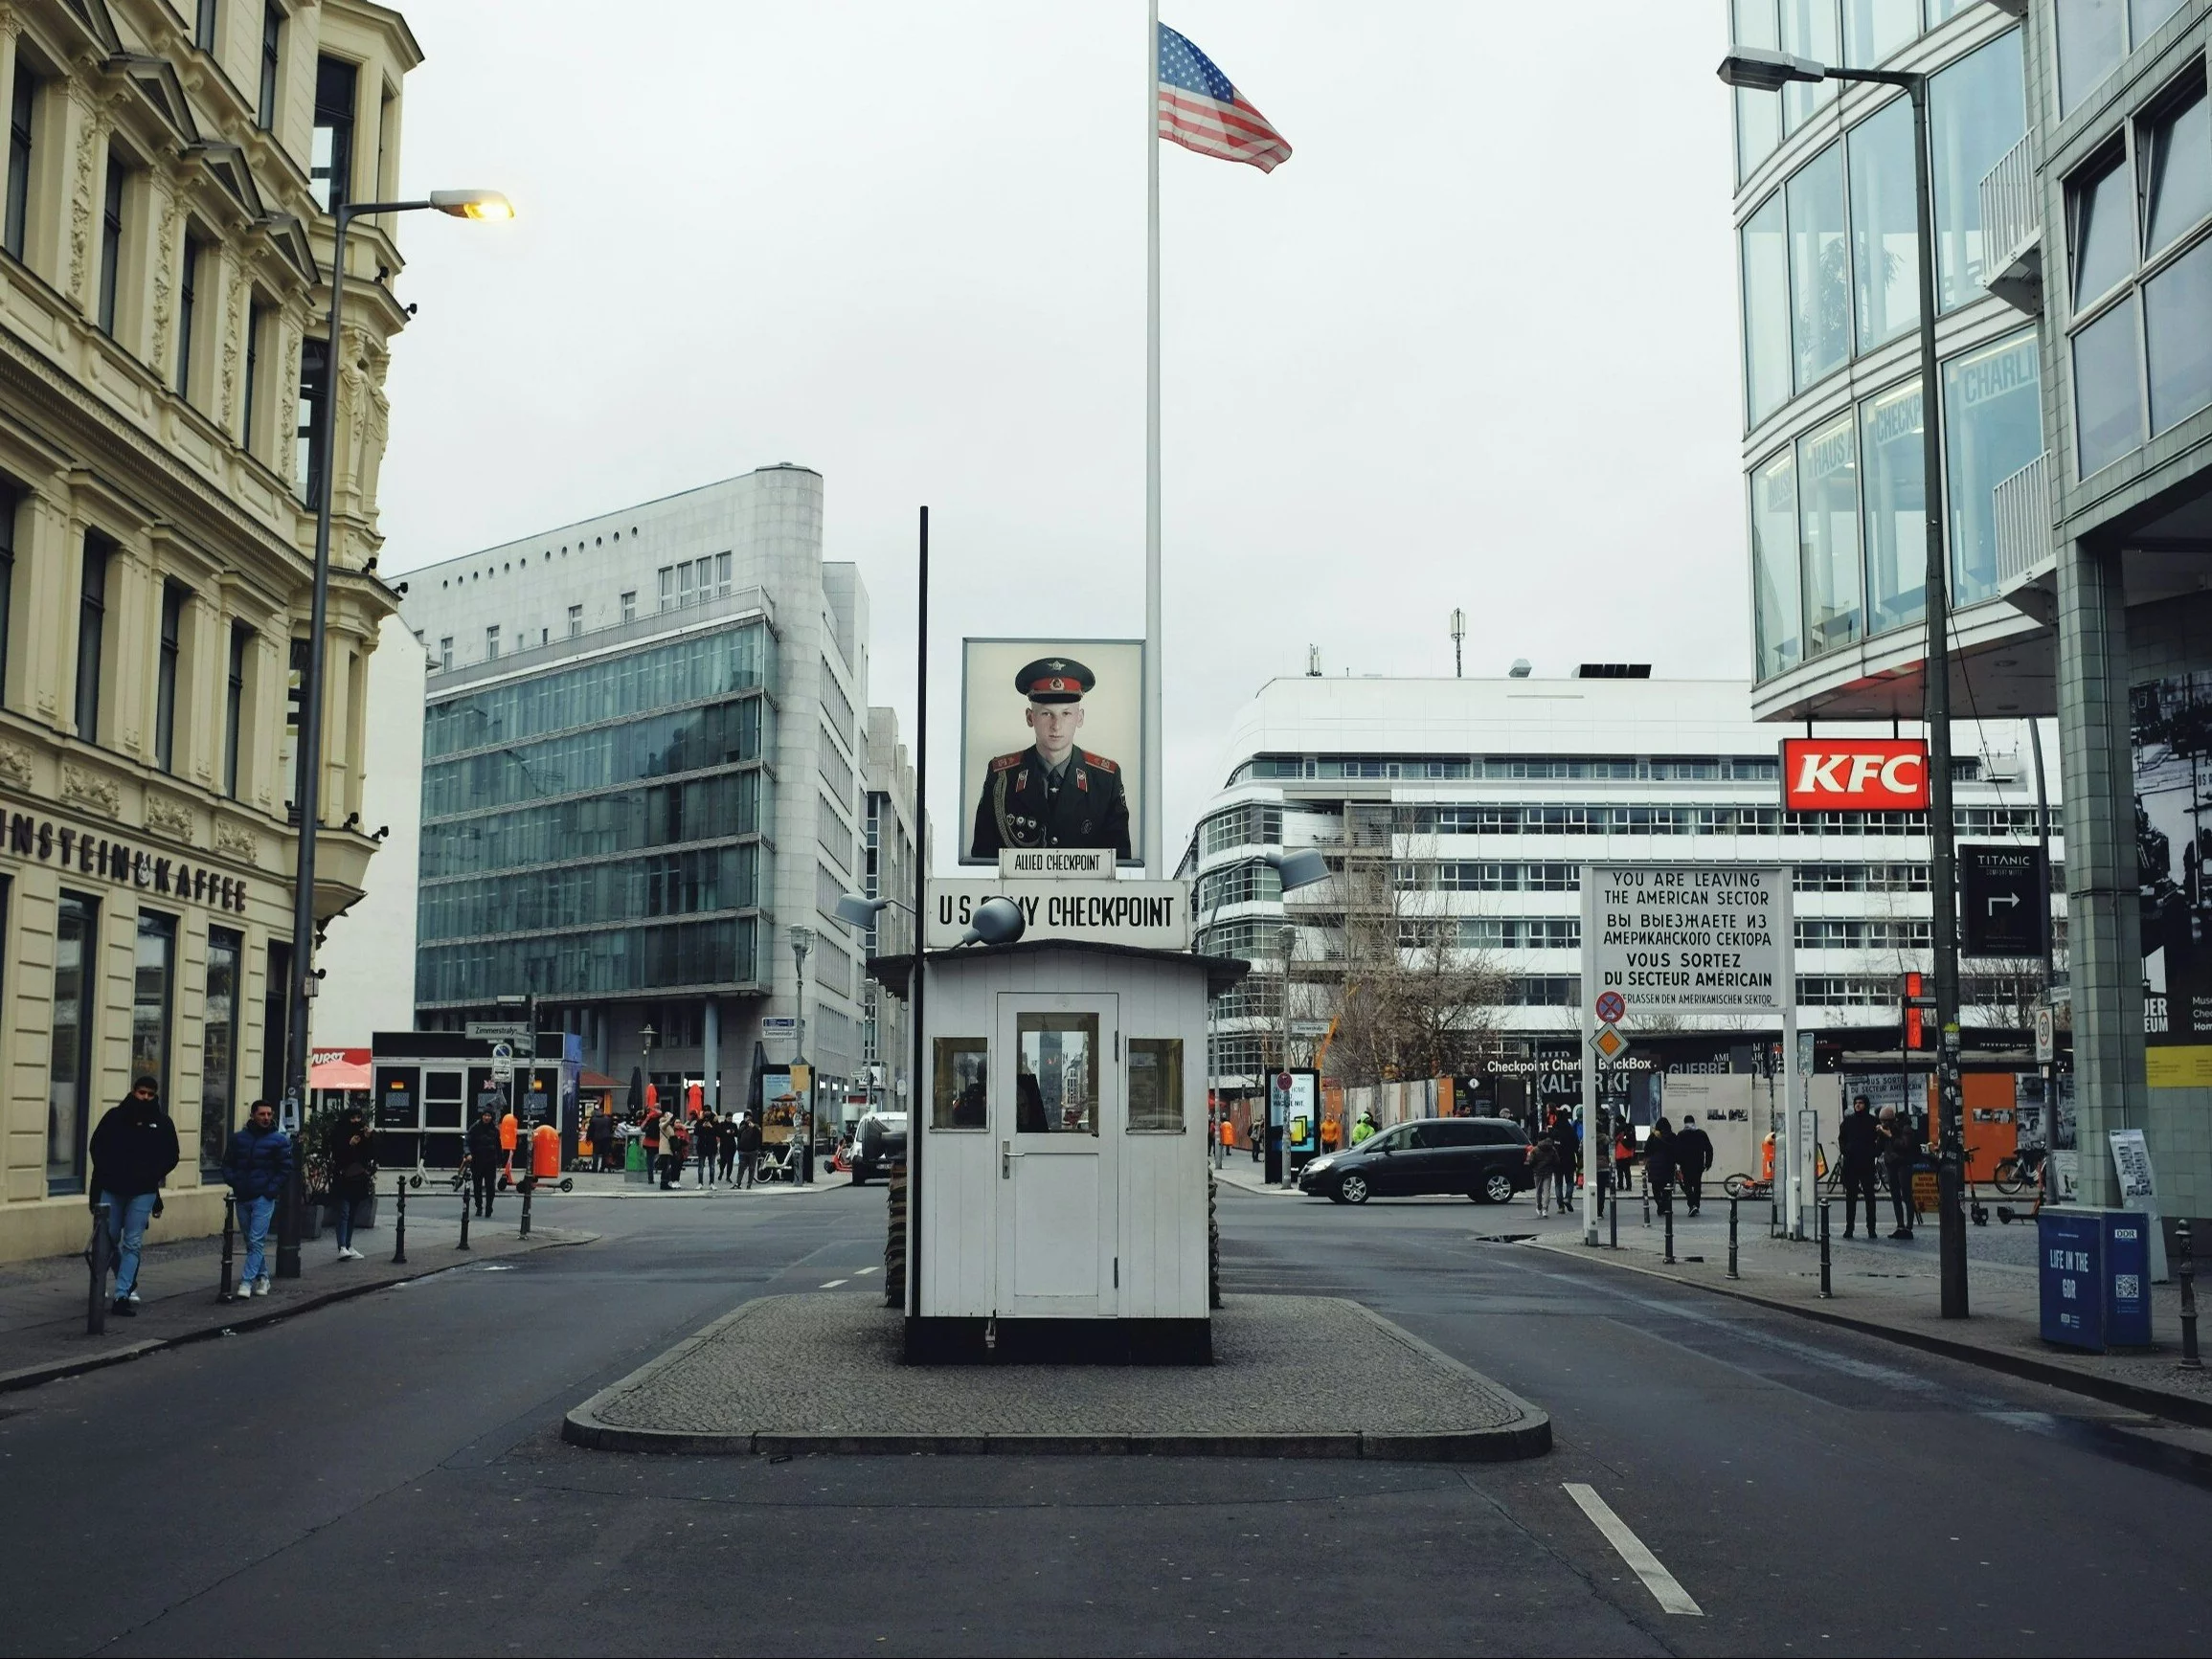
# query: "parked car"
[879,1142]
[1484,1157]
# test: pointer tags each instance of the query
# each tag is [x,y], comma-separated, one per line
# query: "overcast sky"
[1472,344]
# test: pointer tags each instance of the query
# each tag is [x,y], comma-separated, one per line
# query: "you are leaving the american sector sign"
[1687,938]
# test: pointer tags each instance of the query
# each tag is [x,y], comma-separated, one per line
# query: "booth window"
[1156,1084]
[958,1095]
[1056,1074]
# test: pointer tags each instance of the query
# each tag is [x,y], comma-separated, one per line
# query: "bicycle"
[2020,1173]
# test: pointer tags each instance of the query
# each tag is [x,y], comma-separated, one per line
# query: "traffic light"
[1915,1002]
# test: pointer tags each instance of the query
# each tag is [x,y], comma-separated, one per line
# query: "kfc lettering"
[1855,774]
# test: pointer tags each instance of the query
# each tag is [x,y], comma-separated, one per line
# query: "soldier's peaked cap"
[1054,680]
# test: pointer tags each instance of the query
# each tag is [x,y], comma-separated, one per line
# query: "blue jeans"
[253,1224]
[341,1211]
[127,1220]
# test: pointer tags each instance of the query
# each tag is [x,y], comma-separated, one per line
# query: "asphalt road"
[385,1475]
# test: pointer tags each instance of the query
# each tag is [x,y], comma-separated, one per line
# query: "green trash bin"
[634,1161]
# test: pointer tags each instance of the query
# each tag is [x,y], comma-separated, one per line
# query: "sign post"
[1684,940]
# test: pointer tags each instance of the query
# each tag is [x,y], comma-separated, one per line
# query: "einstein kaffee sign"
[1689,938]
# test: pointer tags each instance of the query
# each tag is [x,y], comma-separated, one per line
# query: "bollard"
[528,1183]
[1615,1222]
[1732,1274]
[95,1253]
[399,1225]
[2186,1268]
[229,1285]
[1647,1204]
[1667,1214]
[468,1204]
[1827,1283]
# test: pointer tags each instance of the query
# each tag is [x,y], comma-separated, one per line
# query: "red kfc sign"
[1854,773]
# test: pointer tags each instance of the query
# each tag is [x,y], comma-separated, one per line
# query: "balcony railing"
[2021,507]
[2012,229]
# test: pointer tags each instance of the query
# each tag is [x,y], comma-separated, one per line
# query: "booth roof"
[1221,972]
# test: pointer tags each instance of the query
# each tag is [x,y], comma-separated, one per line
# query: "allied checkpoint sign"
[1685,939]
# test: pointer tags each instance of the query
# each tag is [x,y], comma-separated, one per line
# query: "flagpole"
[1155,849]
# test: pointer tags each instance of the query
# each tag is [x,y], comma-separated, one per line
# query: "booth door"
[1056,1115]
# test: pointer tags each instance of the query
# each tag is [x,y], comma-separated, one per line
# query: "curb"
[2156,1401]
[1529,1436]
[55,1370]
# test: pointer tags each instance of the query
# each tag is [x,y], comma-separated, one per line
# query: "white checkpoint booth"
[1058,1200]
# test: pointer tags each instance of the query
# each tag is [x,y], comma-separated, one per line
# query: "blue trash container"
[2095,1270]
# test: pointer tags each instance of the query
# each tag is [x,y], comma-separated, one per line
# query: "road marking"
[833,1284]
[1672,1597]
[857,1272]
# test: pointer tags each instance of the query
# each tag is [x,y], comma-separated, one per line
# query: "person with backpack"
[1659,1165]
[1693,1156]
[258,1166]
[352,1175]
[1624,1158]
[132,1152]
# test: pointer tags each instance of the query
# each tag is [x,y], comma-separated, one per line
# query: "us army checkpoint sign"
[1691,938]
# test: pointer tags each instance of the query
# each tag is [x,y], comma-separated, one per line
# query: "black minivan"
[1484,1157]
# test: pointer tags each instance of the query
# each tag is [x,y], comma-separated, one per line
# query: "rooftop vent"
[1613,671]
[1519,669]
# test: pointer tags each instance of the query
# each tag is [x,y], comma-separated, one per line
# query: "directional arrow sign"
[2003,891]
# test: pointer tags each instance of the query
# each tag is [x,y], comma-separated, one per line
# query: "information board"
[1690,938]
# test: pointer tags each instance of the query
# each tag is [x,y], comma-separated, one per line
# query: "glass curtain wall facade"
[1829,261]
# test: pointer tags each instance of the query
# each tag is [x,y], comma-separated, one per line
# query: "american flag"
[1199,110]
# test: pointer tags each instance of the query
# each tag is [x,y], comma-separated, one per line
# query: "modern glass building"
[641,773]
[2072,155]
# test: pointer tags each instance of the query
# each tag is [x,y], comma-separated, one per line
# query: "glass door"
[1056,1110]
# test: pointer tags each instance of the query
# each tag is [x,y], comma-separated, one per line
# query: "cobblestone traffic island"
[1292,1377]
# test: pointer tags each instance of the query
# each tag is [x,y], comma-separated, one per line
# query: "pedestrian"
[726,1146]
[602,1138]
[675,1152]
[1897,1157]
[1624,1158]
[1659,1165]
[482,1160]
[1858,1145]
[747,1150]
[1570,1144]
[1693,1156]
[352,1175]
[132,1151]
[1365,1129]
[1542,1157]
[258,1166]
[706,1141]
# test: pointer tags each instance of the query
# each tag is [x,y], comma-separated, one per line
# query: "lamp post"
[801,942]
[1758,69]
[463,205]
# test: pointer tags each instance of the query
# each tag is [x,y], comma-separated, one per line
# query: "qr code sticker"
[2127,1287]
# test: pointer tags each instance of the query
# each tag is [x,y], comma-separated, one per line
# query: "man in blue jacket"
[258,1164]
[133,1150]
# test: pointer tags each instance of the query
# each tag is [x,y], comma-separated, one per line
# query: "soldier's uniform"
[1027,803]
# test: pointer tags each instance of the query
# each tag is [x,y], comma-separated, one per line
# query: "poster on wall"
[2171,733]
[1051,746]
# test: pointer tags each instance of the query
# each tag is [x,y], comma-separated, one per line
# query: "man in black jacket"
[748,1149]
[133,1150]
[484,1160]
[1858,1145]
[1693,1156]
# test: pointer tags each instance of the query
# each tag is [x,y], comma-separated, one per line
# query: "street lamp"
[801,942]
[466,204]
[1760,70]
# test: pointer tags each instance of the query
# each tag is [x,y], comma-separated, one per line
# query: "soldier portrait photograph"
[1051,740]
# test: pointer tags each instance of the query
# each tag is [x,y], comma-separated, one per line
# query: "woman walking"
[1543,1160]
[1659,1165]
[352,1175]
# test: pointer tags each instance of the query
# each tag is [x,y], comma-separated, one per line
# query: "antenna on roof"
[1459,634]
[1313,662]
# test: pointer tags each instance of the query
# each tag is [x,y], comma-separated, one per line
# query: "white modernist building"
[1485,797]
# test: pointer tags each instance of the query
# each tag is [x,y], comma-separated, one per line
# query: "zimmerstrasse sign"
[1689,938]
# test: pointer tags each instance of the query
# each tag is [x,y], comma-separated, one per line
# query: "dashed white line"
[1672,1597]
[833,1284]
[860,1271]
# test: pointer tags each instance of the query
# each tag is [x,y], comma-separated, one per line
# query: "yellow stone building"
[163,264]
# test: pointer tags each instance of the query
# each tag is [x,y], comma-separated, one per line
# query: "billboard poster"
[2172,733]
[1051,746]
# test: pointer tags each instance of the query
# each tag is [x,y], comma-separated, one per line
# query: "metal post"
[920,1101]
[1667,1215]
[96,1255]
[466,1204]
[1827,1283]
[1614,1224]
[227,1285]
[2185,1267]
[529,1185]
[1732,1274]
[399,1224]
[2051,1067]
[1290,938]
[1647,1195]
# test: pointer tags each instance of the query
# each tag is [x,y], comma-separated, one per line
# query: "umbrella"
[637,1102]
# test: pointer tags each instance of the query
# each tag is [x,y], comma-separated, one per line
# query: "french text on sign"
[1854,773]
[1690,938]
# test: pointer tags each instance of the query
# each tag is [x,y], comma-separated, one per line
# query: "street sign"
[2047,1036]
[779,1025]
[1282,1081]
[1690,938]
[498,1031]
[1611,1006]
[1610,1043]
[2002,892]
[1854,773]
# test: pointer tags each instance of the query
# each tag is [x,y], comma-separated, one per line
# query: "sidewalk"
[589,1185]
[42,1332]
[1892,1289]
[1241,1171]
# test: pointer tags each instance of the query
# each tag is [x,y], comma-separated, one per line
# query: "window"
[1892,460]
[2101,230]
[575,621]
[959,1081]
[1808,31]
[220,1022]
[2091,42]
[1885,237]
[1758,114]
[331,165]
[1875,29]
[204,25]
[2178,329]
[1828,534]
[2174,149]
[22,121]
[153,991]
[111,240]
[234,705]
[1977,110]
[1992,425]
[69,1053]
[1774,593]
[1156,1084]
[257,324]
[1819,285]
[445,654]
[2107,400]
[630,606]
[272,62]
[11,506]
[1056,1074]
[91,635]
[173,598]
[491,643]
[308,423]
[186,313]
